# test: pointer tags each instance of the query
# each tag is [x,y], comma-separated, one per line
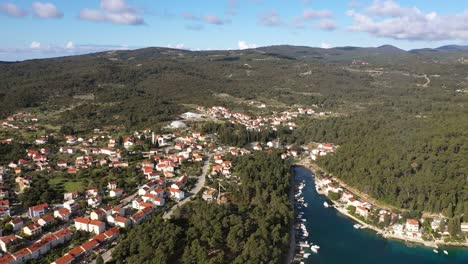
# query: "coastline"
[379,231]
[292,231]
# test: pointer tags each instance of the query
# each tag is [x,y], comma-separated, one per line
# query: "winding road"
[194,191]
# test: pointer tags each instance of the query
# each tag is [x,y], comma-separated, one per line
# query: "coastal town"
[112,181]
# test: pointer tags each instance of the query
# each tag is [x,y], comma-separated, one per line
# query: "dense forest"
[409,162]
[252,228]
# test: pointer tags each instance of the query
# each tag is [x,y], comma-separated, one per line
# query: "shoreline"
[384,234]
[292,231]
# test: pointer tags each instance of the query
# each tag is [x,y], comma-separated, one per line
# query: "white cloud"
[46,10]
[313,14]
[390,20]
[10,9]
[113,11]
[70,45]
[326,24]
[115,6]
[244,45]
[35,45]
[326,45]
[180,46]
[270,19]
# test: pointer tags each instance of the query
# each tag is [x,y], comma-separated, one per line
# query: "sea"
[341,243]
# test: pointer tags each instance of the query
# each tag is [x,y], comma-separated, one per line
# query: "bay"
[341,243]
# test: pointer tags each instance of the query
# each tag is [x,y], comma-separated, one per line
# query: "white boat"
[304,220]
[304,244]
[357,226]
[326,204]
[435,251]
[445,252]
[306,255]
[314,248]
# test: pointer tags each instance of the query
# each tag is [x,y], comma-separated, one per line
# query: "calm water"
[340,243]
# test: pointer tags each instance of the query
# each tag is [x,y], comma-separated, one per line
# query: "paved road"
[128,199]
[194,191]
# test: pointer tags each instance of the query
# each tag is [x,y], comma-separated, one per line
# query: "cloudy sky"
[50,28]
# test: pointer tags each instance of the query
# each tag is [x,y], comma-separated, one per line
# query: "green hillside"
[401,117]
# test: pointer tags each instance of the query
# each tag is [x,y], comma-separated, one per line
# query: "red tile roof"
[8,239]
[76,251]
[7,258]
[95,222]
[39,207]
[64,260]
[112,232]
[89,245]
[63,232]
[82,220]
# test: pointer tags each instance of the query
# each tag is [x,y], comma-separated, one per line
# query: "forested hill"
[401,116]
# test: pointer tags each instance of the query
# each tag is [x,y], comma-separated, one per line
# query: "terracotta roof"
[82,220]
[64,260]
[76,251]
[89,245]
[101,237]
[8,239]
[95,222]
[112,232]
[47,218]
[17,221]
[63,211]
[120,219]
[412,221]
[21,252]
[6,258]
[63,232]
[39,207]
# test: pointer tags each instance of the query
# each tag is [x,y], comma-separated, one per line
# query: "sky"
[51,28]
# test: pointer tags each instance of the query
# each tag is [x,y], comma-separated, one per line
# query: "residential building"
[38,210]
[412,225]
[32,229]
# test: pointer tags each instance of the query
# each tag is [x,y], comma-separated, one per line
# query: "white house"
[16,223]
[117,192]
[62,214]
[32,229]
[81,223]
[38,210]
[176,193]
[464,227]
[412,225]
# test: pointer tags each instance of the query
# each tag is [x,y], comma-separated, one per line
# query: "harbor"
[303,248]
[341,239]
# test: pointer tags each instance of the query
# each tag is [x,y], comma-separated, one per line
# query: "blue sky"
[48,28]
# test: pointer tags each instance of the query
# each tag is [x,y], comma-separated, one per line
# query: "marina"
[327,236]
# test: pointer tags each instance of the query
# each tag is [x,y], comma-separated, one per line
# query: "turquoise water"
[340,243]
